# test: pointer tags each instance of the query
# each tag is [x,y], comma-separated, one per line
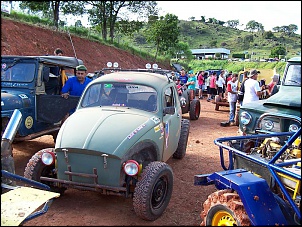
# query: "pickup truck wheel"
[224,208]
[35,169]
[194,109]
[153,191]
[183,139]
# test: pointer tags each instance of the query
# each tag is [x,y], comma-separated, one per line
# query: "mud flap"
[53,108]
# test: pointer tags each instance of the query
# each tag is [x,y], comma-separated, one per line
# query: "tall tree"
[254,26]
[108,13]
[163,33]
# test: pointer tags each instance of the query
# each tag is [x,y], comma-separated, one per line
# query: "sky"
[269,13]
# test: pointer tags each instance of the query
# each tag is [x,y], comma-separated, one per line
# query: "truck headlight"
[48,158]
[268,125]
[131,167]
[293,128]
[245,118]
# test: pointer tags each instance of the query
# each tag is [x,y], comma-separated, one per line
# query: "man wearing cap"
[252,89]
[76,85]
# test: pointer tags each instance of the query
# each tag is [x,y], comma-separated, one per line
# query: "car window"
[293,76]
[122,95]
[20,72]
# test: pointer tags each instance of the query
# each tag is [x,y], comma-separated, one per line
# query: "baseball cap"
[191,72]
[253,72]
[81,68]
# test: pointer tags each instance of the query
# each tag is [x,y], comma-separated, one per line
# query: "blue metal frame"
[33,183]
[265,210]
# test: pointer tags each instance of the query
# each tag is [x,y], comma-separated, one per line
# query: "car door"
[172,122]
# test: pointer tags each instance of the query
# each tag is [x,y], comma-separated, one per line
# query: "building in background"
[210,53]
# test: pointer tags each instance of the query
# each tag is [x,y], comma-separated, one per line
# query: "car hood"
[288,98]
[110,131]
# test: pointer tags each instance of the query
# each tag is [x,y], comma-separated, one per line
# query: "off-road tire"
[153,191]
[194,109]
[183,139]
[224,208]
[35,169]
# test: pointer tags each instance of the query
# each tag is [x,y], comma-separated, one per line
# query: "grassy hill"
[206,35]
[198,35]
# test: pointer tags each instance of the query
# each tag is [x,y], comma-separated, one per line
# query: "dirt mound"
[23,39]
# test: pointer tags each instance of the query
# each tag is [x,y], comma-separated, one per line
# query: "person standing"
[52,86]
[213,86]
[220,84]
[241,89]
[252,89]
[76,85]
[200,84]
[183,77]
[207,85]
[191,84]
[232,97]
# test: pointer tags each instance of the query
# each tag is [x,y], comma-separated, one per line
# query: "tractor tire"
[224,208]
[194,109]
[153,191]
[183,139]
[36,169]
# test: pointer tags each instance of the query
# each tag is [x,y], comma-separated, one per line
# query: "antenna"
[72,44]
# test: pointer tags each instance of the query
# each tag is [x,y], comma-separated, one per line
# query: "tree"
[276,51]
[67,7]
[233,23]
[268,35]
[254,26]
[108,13]
[163,33]
[181,49]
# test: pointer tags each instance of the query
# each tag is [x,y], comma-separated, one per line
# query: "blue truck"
[24,83]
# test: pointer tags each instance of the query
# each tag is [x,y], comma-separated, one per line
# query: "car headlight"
[268,125]
[245,118]
[48,158]
[131,167]
[293,128]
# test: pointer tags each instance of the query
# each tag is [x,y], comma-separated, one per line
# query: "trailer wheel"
[153,191]
[224,208]
[36,169]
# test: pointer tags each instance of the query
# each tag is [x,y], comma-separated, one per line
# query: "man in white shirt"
[252,89]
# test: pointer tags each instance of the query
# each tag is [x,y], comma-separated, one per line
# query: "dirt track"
[90,208]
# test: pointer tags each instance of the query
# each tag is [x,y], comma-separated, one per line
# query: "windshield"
[293,76]
[119,94]
[19,72]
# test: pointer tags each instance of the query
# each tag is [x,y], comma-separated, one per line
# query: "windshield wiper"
[14,63]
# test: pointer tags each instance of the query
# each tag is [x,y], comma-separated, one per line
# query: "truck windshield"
[293,76]
[19,72]
[120,94]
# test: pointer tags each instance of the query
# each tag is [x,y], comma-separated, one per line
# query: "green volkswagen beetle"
[125,127]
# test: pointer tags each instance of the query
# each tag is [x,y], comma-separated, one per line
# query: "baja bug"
[125,127]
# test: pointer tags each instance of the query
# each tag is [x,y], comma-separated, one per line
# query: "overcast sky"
[269,13]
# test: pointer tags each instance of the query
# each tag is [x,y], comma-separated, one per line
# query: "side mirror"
[45,73]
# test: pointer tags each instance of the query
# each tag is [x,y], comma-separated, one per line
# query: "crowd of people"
[226,86]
